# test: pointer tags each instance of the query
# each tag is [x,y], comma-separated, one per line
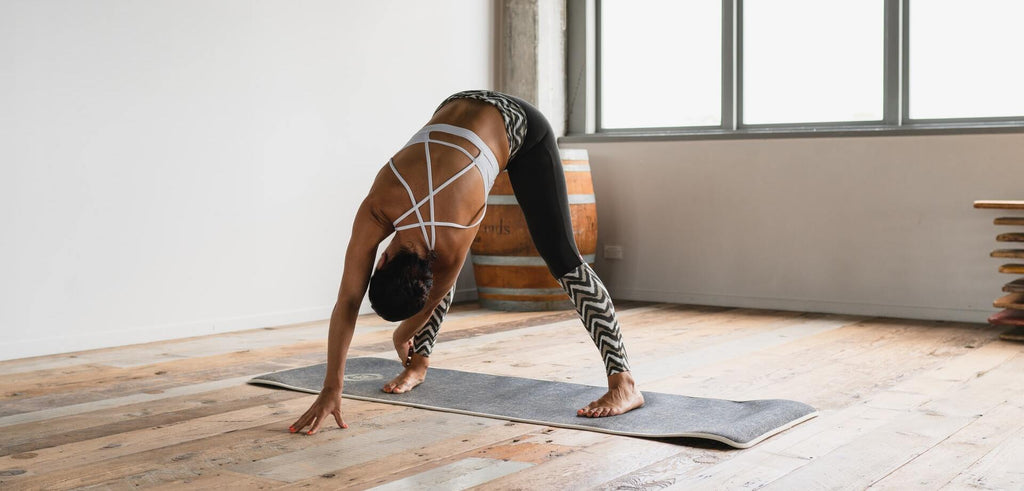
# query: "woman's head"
[401,284]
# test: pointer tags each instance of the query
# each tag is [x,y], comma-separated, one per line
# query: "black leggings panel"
[538,182]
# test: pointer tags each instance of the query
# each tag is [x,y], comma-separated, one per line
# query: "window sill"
[757,133]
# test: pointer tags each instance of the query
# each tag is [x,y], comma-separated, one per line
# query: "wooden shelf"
[1010,237]
[1007,318]
[1013,301]
[1015,334]
[1000,204]
[1014,286]
[1008,221]
[1008,253]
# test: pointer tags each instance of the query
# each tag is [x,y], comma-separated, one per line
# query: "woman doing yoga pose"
[429,196]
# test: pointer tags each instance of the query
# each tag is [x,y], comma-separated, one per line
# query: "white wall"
[173,168]
[861,225]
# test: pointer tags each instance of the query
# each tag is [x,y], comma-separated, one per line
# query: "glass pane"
[661,63]
[811,61]
[965,58]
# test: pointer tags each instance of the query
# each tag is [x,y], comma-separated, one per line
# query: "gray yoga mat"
[738,424]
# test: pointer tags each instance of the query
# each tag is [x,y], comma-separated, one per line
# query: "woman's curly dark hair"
[400,288]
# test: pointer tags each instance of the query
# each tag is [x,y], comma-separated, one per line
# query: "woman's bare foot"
[622,397]
[414,374]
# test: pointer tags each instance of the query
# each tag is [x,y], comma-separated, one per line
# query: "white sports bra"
[485,162]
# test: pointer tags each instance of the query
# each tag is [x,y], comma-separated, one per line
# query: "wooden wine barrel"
[510,274]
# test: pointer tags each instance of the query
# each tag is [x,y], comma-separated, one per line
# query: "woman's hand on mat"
[327,404]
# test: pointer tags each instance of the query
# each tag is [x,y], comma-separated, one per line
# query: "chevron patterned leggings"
[538,182]
[598,315]
[423,342]
[593,304]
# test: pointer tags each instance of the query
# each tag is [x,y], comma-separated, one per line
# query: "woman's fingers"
[316,425]
[338,419]
[302,422]
[404,349]
[328,403]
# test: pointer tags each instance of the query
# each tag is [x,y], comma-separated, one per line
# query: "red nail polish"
[310,432]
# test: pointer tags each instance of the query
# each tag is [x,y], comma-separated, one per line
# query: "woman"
[430,197]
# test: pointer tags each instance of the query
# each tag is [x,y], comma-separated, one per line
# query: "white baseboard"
[25,348]
[120,337]
[805,305]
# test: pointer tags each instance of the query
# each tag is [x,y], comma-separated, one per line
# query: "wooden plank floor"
[904,405]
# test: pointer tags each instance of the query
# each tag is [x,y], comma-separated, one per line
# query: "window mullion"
[737,66]
[580,77]
[904,61]
[728,65]
[597,65]
[893,94]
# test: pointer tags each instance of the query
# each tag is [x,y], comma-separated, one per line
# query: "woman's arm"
[367,233]
[402,337]
[445,275]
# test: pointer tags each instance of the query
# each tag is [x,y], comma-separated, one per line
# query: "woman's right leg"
[424,341]
[422,345]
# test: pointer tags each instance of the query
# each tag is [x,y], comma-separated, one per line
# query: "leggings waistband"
[511,112]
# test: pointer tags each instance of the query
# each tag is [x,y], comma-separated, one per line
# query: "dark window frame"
[583,88]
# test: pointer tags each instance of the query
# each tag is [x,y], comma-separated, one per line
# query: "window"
[640,88]
[757,66]
[811,61]
[965,59]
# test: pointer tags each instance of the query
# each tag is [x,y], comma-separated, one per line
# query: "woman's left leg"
[538,182]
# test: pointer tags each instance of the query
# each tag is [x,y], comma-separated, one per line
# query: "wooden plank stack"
[1013,302]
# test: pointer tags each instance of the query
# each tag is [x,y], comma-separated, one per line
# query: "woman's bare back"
[463,200]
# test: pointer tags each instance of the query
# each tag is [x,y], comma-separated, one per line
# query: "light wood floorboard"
[903,405]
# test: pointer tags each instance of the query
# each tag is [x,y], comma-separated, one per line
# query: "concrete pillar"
[531,55]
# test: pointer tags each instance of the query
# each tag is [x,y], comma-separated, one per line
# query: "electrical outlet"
[613,252]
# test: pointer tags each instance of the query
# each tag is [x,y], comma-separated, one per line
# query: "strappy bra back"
[485,162]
